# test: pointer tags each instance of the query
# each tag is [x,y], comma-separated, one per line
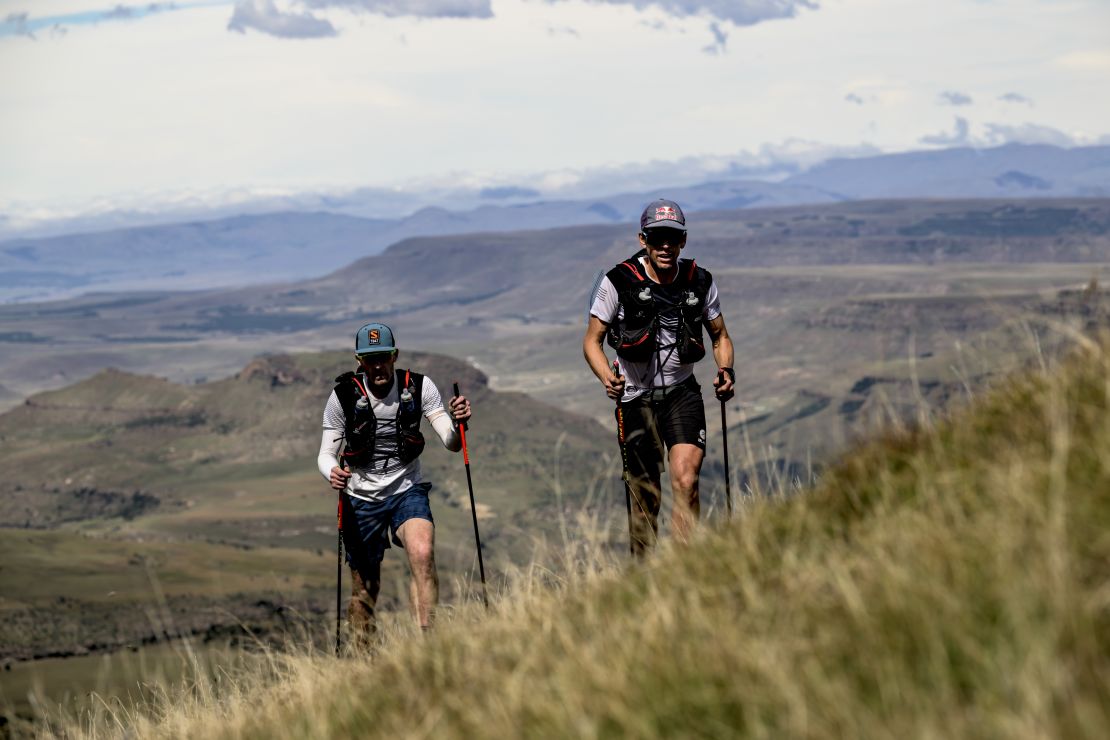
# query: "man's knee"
[420,546]
[686,468]
[422,555]
[685,481]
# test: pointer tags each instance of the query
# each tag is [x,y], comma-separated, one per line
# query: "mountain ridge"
[251,248]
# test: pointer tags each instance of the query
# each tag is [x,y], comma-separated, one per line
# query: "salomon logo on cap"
[374,338]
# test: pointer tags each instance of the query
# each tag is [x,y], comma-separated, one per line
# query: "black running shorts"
[659,419]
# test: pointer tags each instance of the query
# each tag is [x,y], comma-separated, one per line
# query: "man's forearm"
[328,458]
[592,351]
[448,432]
[596,359]
[723,353]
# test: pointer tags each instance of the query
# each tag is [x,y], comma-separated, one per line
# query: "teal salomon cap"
[374,338]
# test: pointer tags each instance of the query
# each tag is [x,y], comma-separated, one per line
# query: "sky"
[131,106]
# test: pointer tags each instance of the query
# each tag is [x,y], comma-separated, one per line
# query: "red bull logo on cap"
[665,213]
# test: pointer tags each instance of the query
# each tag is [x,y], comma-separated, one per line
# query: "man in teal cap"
[370,452]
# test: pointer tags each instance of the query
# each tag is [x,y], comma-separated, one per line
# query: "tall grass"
[951,580]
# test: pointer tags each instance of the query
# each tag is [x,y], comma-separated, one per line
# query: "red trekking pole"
[473,508]
[339,575]
[624,464]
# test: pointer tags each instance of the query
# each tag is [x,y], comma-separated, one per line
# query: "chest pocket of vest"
[360,436]
[634,337]
[691,340]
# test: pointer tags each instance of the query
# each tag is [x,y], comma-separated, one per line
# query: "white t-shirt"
[388,477]
[663,368]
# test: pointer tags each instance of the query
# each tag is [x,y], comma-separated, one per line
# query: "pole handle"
[617,371]
[463,425]
[462,435]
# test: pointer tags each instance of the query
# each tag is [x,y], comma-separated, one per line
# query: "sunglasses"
[660,237]
[377,358]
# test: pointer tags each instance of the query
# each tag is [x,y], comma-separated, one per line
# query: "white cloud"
[265,16]
[1013,97]
[882,91]
[119,11]
[996,134]
[414,8]
[739,12]
[959,137]
[952,97]
[1026,133]
[720,39]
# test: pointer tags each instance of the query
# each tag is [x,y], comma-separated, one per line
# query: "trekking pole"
[339,574]
[624,464]
[473,507]
[724,437]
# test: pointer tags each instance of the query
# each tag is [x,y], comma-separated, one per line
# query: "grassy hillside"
[949,581]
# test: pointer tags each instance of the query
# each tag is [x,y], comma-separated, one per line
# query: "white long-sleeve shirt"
[394,477]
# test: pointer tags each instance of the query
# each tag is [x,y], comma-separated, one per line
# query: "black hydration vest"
[363,446]
[635,336]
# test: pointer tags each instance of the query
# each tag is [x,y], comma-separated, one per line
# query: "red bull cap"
[663,214]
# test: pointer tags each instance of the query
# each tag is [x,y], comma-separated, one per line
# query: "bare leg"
[685,464]
[366,583]
[418,536]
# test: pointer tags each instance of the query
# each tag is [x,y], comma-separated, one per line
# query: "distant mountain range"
[293,245]
[1014,170]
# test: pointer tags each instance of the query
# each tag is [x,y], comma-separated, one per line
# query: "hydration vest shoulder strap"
[410,417]
[347,390]
[691,272]
[628,273]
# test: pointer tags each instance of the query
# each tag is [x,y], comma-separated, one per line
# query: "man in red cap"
[651,309]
